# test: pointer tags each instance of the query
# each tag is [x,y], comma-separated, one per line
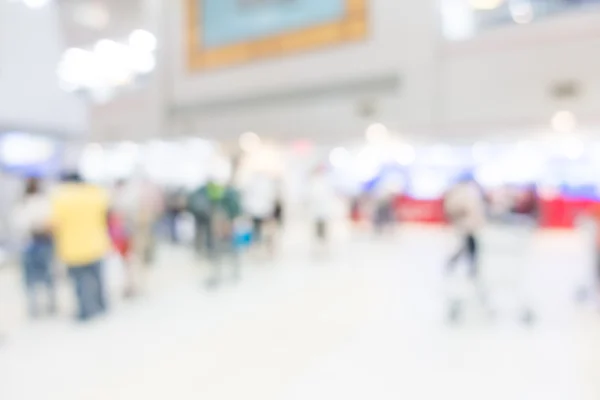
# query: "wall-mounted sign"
[225,32]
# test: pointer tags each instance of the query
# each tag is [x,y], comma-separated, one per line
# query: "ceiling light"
[35,3]
[573,149]
[521,11]
[376,133]
[485,4]
[339,157]
[106,47]
[564,122]
[249,142]
[142,63]
[142,40]
[405,154]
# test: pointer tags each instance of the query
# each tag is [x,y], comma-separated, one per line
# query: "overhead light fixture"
[485,4]
[339,157]
[564,122]
[376,133]
[18,148]
[405,154]
[480,151]
[36,3]
[249,142]
[521,11]
[142,63]
[573,149]
[108,66]
[142,40]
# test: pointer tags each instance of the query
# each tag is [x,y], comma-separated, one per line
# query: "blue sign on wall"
[227,22]
[225,32]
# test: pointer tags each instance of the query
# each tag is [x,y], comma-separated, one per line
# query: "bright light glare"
[106,48]
[524,165]
[376,133]
[92,162]
[131,148]
[35,3]
[123,160]
[249,142]
[458,20]
[485,4]
[24,149]
[573,149]
[405,154]
[108,66]
[368,163]
[521,11]
[339,157]
[77,67]
[142,62]
[564,122]
[143,41]
[480,151]
[113,61]
[443,154]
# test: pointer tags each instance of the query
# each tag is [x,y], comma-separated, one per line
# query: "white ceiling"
[86,21]
[30,97]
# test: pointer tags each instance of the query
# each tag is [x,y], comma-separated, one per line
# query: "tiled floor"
[364,321]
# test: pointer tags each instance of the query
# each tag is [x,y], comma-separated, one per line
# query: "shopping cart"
[502,285]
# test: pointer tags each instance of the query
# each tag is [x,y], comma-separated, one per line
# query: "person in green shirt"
[215,208]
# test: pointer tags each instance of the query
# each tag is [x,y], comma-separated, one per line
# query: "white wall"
[499,82]
[135,115]
[30,99]
[400,43]
[504,78]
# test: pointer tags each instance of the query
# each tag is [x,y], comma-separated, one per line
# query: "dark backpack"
[199,204]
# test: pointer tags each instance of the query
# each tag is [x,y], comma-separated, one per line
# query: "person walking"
[80,228]
[216,208]
[32,224]
[465,208]
[135,207]
[259,203]
[321,198]
[175,204]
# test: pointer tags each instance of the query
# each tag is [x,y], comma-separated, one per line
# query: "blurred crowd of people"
[78,224]
[74,225]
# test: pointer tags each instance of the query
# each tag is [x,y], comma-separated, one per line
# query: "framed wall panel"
[228,32]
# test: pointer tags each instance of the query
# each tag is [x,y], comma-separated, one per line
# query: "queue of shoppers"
[77,225]
[32,217]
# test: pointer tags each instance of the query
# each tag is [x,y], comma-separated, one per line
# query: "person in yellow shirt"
[80,228]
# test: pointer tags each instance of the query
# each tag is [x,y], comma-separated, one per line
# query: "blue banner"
[228,32]
[226,22]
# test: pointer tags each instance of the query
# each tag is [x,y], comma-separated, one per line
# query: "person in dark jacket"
[215,208]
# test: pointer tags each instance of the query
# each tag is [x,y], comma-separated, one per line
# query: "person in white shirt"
[136,205]
[32,224]
[465,207]
[259,203]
